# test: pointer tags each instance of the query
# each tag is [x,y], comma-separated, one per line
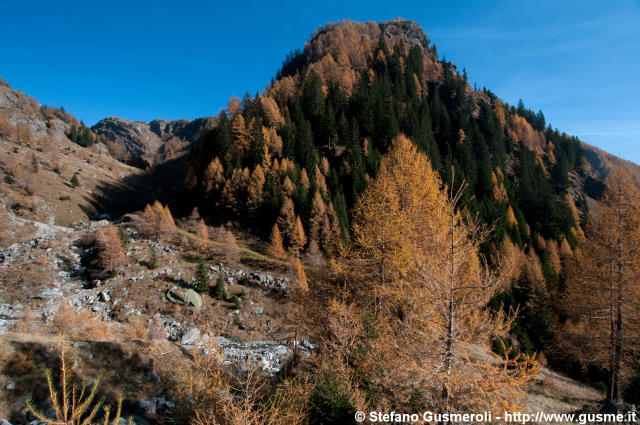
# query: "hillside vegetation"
[368,233]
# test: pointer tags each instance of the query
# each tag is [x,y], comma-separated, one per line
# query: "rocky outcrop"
[18,108]
[145,142]
[135,137]
[408,31]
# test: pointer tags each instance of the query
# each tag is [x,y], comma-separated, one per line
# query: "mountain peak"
[409,30]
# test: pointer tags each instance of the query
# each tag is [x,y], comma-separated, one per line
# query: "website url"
[487,417]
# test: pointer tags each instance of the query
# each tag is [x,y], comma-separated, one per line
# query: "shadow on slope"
[163,182]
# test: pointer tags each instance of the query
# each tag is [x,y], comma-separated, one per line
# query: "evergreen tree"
[220,289]
[202,277]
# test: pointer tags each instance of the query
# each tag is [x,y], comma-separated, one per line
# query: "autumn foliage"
[158,221]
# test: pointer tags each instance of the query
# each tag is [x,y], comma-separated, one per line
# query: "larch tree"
[416,254]
[462,283]
[202,234]
[604,288]
[287,220]
[194,220]
[298,238]
[158,221]
[110,252]
[230,247]
[318,216]
[275,244]
[213,179]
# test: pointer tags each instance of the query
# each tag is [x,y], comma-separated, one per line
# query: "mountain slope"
[145,144]
[39,162]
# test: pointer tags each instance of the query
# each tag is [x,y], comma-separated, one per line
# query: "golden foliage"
[602,285]
[110,252]
[158,221]
[511,217]
[73,405]
[81,324]
[209,395]
[301,284]
[213,175]
[416,259]
[298,239]
[272,111]
[203,234]
[6,129]
[230,247]
[275,244]
[287,220]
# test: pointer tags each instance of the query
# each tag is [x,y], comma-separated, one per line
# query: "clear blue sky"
[578,61]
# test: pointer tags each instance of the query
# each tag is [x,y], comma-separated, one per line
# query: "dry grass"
[81,324]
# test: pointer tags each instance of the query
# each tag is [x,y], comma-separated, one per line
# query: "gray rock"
[190,337]
[95,225]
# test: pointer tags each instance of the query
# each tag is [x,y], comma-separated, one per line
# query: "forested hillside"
[370,233]
[311,143]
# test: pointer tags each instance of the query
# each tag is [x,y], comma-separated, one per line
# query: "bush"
[330,404]
[65,198]
[6,129]
[123,235]
[74,180]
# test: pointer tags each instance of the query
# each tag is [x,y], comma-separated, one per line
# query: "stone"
[95,225]
[191,337]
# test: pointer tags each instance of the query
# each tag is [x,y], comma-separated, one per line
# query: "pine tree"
[153,260]
[220,289]
[236,302]
[202,277]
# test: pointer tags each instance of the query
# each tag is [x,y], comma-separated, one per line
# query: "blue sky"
[578,61]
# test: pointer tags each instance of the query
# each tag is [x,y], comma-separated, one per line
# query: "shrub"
[74,180]
[65,198]
[123,235]
[6,129]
